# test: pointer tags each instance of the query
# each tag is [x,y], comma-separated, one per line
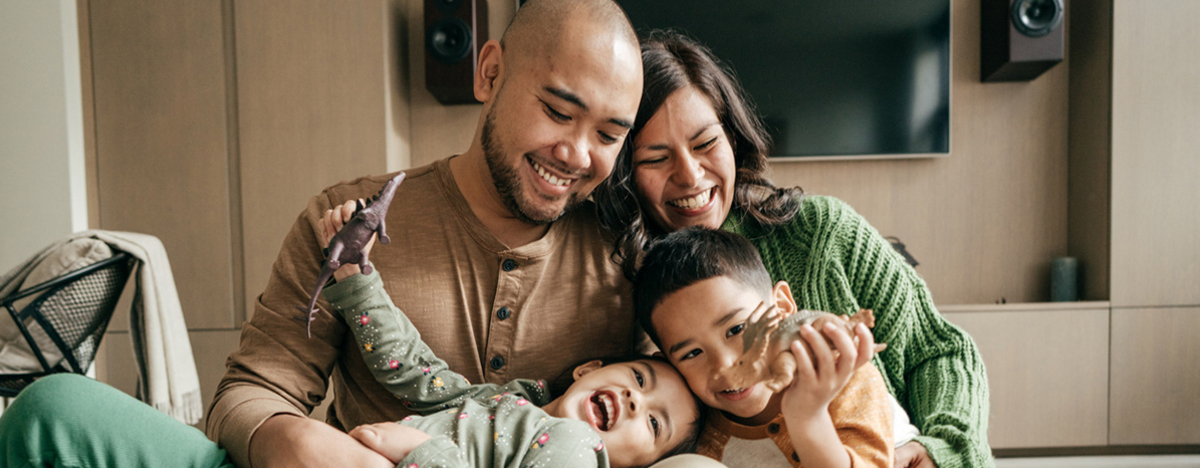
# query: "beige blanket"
[167,370]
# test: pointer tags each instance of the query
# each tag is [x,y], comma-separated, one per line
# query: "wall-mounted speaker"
[1021,38]
[455,31]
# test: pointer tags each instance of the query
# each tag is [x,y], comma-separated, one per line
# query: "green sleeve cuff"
[352,291]
[945,455]
[438,452]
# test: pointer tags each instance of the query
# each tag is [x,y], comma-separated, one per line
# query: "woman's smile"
[683,163]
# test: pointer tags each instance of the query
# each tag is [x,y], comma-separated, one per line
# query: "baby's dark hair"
[688,256]
[687,445]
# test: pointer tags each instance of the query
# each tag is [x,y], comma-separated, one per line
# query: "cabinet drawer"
[1047,374]
[1155,376]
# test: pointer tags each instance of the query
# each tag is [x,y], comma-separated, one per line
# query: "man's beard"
[507,180]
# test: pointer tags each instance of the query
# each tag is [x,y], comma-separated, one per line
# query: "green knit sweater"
[834,261]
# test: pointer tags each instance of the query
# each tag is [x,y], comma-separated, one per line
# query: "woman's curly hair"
[672,61]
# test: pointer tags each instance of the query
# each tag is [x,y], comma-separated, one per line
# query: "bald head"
[540,25]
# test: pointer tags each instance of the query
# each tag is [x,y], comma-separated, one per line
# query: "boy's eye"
[608,139]
[654,426]
[735,330]
[637,375]
[690,354]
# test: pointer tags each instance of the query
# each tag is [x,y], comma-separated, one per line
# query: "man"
[486,256]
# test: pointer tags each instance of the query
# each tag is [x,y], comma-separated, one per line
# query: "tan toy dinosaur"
[766,341]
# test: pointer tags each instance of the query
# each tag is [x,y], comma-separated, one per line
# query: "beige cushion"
[15,353]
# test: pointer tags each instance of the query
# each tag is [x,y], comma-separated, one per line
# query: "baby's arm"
[390,344]
[392,348]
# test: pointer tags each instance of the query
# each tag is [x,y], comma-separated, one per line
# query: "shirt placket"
[503,319]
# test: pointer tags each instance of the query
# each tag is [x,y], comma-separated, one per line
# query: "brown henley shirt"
[493,313]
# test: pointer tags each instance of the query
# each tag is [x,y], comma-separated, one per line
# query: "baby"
[621,414]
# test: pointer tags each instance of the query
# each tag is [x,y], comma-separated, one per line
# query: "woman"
[698,157]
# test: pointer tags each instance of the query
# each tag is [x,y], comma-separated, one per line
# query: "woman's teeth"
[732,391]
[694,202]
[548,177]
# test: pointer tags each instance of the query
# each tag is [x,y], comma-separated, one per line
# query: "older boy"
[693,295]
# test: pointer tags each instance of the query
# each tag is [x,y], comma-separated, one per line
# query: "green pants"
[67,420]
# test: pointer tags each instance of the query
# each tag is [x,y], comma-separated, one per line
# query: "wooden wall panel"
[438,130]
[311,102]
[1155,383]
[1155,168]
[1047,372]
[160,141]
[1089,207]
[984,222]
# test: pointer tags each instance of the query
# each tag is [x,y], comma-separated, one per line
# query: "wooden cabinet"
[1134,221]
[1155,115]
[1047,367]
[1155,376]
[1135,108]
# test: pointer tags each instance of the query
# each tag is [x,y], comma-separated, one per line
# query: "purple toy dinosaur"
[347,245]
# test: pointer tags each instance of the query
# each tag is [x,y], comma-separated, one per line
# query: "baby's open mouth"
[604,410]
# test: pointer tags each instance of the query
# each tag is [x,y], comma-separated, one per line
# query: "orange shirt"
[861,414]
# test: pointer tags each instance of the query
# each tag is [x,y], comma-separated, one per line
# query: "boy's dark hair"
[688,256]
[687,445]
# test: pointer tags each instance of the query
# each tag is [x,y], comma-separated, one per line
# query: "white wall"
[42,188]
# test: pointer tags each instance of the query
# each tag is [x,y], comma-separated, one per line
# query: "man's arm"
[278,374]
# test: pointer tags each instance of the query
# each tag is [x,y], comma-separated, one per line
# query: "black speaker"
[1021,38]
[455,30]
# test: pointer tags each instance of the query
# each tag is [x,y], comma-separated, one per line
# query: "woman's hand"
[821,371]
[913,455]
[394,441]
[331,223]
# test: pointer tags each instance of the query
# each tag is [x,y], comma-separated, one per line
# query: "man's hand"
[331,223]
[287,440]
[394,441]
[913,455]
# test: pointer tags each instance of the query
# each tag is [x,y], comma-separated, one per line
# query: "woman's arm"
[932,366]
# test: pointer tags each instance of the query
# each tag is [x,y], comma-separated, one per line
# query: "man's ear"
[585,368]
[782,295]
[489,71]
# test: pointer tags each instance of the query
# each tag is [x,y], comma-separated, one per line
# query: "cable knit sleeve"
[933,367]
[835,261]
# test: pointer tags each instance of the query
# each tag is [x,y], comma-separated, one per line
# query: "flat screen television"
[846,78]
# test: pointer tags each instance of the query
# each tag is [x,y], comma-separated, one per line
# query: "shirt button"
[503,313]
[509,264]
[773,428]
[497,363]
